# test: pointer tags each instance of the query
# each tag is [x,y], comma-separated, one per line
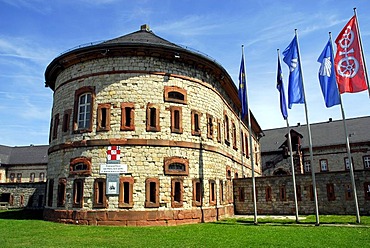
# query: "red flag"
[348,62]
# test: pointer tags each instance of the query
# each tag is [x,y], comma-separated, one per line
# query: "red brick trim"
[177,192]
[84,160]
[80,91]
[152,118]
[127,116]
[181,92]
[171,160]
[103,117]
[176,119]
[152,193]
[126,201]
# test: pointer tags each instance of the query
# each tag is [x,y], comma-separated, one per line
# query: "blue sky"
[34,32]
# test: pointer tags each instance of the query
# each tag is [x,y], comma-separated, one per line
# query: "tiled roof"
[323,134]
[20,155]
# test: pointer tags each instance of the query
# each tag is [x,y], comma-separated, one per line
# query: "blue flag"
[243,89]
[327,78]
[295,86]
[280,87]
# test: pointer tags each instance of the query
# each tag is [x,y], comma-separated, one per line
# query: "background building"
[23,176]
[144,131]
[334,188]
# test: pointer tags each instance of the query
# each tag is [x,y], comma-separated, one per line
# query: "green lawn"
[19,229]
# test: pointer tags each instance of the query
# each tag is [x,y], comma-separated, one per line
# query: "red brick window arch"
[80,166]
[175,94]
[176,166]
[83,109]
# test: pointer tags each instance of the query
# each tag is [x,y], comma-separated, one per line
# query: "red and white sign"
[348,60]
[113,153]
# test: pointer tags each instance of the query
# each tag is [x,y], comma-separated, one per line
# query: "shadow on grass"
[21,214]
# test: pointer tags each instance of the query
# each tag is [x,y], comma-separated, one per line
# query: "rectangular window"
[152,118]
[282,193]
[367,190]
[330,192]
[234,136]
[246,145]
[195,123]
[209,126]
[241,194]
[268,192]
[50,192]
[41,177]
[222,198]
[176,119]
[100,200]
[176,193]
[32,177]
[55,126]
[19,177]
[126,188]
[299,193]
[307,166]
[152,193]
[66,120]
[227,130]
[83,109]
[78,187]
[219,131]
[197,192]
[12,177]
[324,165]
[127,117]
[242,142]
[366,160]
[346,164]
[103,117]
[348,192]
[61,197]
[212,192]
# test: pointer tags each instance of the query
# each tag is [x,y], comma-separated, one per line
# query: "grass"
[25,229]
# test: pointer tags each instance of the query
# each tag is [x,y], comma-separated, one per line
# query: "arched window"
[175,94]
[80,166]
[83,108]
[176,166]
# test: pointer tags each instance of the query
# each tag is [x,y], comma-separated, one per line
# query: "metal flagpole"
[362,51]
[348,151]
[250,146]
[293,173]
[309,139]
[291,157]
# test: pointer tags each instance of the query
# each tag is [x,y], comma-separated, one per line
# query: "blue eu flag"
[243,89]
[295,86]
[280,88]
[327,78]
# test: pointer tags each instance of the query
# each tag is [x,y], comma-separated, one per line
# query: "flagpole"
[309,138]
[348,150]
[362,51]
[250,146]
[291,159]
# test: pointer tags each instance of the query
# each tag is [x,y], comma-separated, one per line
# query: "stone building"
[275,194]
[143,132]
[23,176]
[328,143]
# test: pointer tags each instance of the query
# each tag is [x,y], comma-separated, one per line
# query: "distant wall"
[275,195]
[23,195]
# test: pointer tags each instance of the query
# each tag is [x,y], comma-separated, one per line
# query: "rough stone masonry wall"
[29,195]
[142,86]
[276,206]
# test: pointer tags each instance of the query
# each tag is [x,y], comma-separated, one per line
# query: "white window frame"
[307,166]
[366,160]
[324,165]
[83,115]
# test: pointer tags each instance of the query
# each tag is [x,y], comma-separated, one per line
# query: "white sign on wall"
[112,184]
[113,168]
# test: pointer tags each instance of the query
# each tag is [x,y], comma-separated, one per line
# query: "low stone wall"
[23,195]
[334,190]
[138,218]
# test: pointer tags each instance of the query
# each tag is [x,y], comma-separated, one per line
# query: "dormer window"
[175,94]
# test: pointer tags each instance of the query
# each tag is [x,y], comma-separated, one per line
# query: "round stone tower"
[143,132]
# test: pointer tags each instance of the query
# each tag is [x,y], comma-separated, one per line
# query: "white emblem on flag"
[293,64]
[325,68]
[348,66]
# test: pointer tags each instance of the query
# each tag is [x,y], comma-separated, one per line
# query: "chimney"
[145,27]
[298,124]
[330,119]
